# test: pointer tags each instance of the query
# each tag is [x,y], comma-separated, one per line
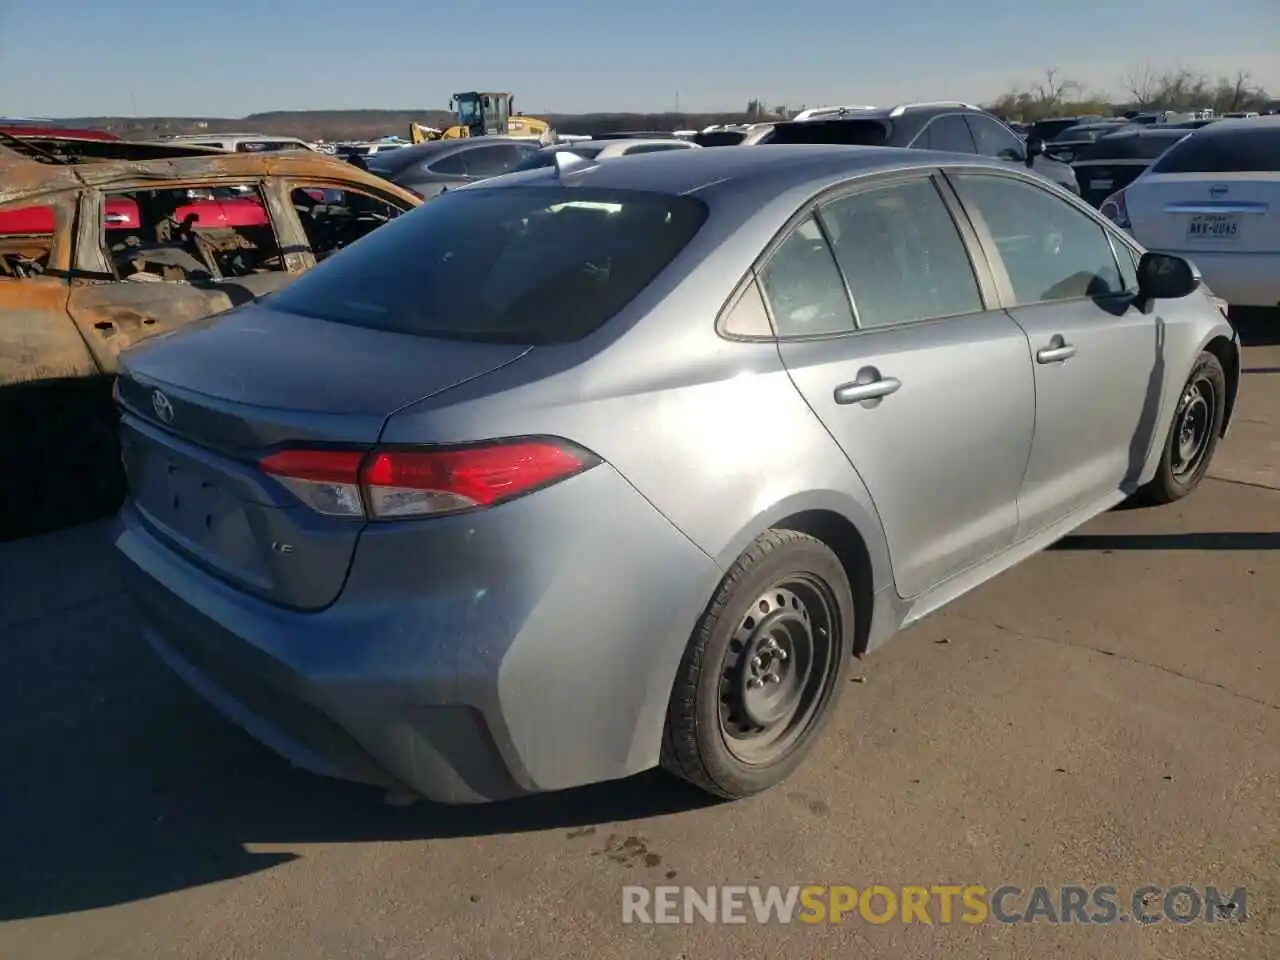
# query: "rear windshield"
[534,265]
[546,158]
[1223,151]
[1129,147]
[864,133]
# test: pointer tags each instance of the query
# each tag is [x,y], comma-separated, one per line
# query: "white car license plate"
[1214,226]
[1101,184]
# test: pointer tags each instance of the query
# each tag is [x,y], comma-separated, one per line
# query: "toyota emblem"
[161,405]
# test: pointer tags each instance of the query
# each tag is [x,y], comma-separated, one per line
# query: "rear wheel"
[763,668]
[1193,435]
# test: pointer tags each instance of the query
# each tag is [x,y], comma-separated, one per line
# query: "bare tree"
[1142,84]
[1052,91]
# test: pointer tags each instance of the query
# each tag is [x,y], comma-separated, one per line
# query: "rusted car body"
[98,253]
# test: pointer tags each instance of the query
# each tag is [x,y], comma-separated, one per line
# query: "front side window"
[902,255]
[537,265]
[949,134]
[993,140]
[1050,250]
[803,286]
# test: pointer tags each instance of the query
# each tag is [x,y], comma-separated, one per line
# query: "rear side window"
[803,286]
[454,163]
[902,255]
[1234,151]
[540,159]
[536,265]
[489,161]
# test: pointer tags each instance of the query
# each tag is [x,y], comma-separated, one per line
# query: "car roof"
[433,147]
[1230,125]
[21,177]
[766,171]
[619,144]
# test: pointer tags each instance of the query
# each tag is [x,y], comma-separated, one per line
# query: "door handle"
[857,392]
[1056,354]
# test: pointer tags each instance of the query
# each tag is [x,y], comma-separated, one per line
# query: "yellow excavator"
[485,114]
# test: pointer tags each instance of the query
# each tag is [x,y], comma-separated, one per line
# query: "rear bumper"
[507,653]
[1243,280]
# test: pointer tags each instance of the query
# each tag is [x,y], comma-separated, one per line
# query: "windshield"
[469,110]
[1225,151]
[532,265]
[546,158]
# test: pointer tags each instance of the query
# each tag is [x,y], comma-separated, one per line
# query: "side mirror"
[1163,276]
[1035,148]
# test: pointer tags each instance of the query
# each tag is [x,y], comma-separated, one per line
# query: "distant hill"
[371,124]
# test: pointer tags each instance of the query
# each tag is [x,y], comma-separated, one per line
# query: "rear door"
[113,313]
[1098,364]
[928,392]
[1217,191]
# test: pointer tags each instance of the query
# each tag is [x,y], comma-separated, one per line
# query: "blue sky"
[96,57]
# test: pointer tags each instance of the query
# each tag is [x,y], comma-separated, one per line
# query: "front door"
[928,393]
[1098,360]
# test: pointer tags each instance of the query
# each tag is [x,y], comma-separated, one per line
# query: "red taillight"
[393,483]
[1115,210]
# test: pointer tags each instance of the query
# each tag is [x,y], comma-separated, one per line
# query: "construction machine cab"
[482,114]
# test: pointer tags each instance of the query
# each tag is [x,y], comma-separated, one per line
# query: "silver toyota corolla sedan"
[586,470]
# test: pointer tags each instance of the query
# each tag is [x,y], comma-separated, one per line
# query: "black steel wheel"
[763,669]
[1193,434]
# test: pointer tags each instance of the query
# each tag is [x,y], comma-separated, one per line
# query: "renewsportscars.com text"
[933,904]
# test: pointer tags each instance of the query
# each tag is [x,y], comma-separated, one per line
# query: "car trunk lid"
[1215,213]
[203,406]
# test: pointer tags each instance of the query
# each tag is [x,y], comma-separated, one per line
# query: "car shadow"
[118,784]
[1106,542]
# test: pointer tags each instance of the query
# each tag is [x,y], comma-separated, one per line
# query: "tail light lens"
[1115,210]
[395,483]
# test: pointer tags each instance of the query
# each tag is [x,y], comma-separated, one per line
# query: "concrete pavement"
[1109,712]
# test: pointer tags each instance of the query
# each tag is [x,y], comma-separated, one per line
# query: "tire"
[728,731]
[1198,415]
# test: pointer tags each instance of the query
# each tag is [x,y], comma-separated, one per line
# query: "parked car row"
[1213,196]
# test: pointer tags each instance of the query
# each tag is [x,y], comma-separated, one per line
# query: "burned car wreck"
[107,243]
